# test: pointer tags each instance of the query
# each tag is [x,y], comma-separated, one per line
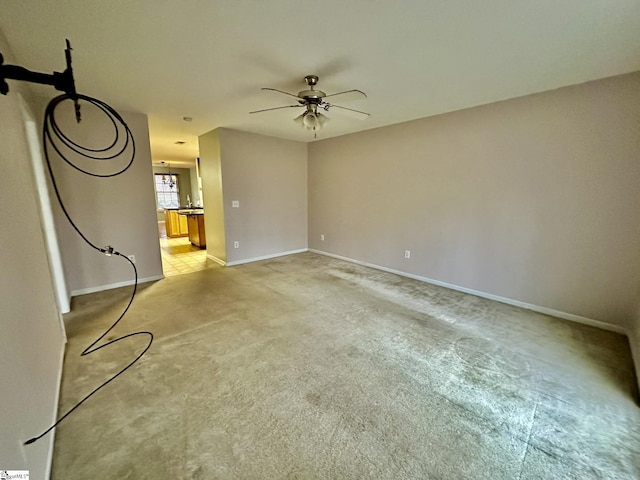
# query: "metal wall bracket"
[62,81]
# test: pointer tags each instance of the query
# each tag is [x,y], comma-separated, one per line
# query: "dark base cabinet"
[197,236]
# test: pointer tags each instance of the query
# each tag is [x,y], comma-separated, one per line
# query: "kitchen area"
[187,221]
[180,213]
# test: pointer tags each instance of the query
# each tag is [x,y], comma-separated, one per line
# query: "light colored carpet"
[308,367]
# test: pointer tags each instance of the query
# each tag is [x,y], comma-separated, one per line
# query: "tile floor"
[180,257]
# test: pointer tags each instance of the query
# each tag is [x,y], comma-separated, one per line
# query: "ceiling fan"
[313,100]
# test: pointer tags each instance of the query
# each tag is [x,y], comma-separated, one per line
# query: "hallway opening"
[179,256]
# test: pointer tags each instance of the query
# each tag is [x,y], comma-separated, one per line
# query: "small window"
[167,196]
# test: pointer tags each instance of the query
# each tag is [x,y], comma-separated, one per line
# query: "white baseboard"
[66,310]
[536,308]
[100,288]
[266,257]
[216,259]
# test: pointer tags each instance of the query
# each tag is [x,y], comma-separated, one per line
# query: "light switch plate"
[235,203]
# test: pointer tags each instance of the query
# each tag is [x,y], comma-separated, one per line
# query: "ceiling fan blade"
[327,106]
[360,92]
[275,108]
[280,91]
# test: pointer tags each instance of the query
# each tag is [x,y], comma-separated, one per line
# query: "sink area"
[190,211]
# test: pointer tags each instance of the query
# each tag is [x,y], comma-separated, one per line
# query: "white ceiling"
[207,59]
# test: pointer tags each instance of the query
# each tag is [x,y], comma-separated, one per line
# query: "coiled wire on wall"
[123,142]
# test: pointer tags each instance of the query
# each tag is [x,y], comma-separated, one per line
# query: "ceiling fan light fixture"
[322,119]
[311,121]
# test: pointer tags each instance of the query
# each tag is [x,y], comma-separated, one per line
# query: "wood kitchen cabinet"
[175,224]
[196,230]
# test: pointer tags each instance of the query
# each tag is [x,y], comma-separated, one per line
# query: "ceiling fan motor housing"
[311,96]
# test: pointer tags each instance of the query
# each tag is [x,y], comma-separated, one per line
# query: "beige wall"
[196,195]
[118,211]
[535,199]
[268,176]
[211,175]
[32,338]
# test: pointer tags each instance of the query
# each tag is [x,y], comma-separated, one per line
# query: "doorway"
[178,188]
[179,256]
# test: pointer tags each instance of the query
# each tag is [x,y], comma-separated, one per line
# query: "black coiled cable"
[53,136]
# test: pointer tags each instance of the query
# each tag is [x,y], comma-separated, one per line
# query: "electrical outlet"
[235,204]
[322,237]
[132,258]
[407,254]
[236,244]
